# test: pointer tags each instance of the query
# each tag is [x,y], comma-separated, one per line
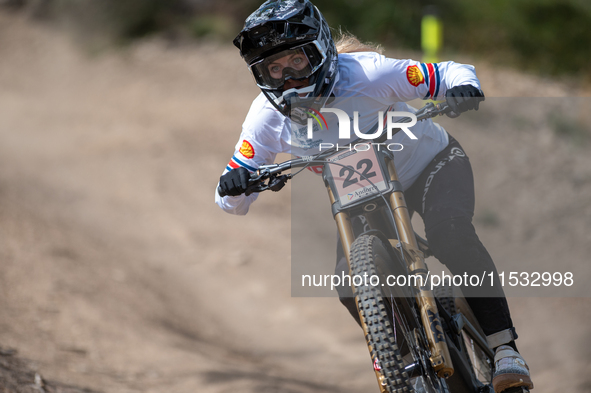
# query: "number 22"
[350,180]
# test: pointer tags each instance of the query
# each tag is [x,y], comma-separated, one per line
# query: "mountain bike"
[419,339]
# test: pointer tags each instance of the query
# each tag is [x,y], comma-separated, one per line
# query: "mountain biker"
[289,50]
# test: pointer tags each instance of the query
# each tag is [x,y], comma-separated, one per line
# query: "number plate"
[351,186]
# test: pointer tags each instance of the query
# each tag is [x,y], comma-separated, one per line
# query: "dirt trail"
[119,274]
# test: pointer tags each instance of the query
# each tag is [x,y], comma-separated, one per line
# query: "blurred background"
[542,36]
[119,274]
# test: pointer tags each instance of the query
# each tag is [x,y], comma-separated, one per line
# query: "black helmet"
[296,29]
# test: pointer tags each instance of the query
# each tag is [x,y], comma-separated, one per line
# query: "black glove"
[463,98]
[235,182]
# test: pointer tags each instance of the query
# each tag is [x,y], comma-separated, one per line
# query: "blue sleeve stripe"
[438,79]
[228,168]
[243,164]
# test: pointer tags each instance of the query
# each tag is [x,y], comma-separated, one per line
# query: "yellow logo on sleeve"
[246,149]
[414,75]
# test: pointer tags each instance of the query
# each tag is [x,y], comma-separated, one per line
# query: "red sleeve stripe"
[233,165]
[432,82]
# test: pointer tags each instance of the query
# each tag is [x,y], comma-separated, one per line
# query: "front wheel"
[393,332]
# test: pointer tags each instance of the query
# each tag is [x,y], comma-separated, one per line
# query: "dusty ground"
[119,274]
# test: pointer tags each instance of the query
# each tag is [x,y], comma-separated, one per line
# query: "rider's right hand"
[235,182]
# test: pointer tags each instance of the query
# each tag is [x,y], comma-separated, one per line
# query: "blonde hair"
[348,43]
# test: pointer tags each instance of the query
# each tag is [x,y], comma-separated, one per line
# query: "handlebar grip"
[252,176]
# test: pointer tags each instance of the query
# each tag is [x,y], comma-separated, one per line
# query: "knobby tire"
[367,253]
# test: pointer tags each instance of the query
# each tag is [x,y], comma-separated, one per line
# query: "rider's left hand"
[463,98]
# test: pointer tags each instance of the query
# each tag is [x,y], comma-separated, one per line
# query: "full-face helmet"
[289,39]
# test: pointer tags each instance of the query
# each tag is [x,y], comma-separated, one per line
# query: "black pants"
[444,197]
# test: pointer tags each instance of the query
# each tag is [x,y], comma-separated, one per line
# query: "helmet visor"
[295,63]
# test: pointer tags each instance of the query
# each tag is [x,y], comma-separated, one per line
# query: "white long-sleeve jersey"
[368,83]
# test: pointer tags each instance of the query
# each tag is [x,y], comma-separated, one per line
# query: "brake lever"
[432,110]
[259,187]
[277,183]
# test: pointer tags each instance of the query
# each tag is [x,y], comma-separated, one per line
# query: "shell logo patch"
[414,75]
[246,149]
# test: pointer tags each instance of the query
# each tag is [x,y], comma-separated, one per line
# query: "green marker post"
[431,34]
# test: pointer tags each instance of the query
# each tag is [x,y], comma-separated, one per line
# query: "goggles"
[295,63]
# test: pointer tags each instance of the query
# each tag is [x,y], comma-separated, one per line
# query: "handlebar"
[277,181]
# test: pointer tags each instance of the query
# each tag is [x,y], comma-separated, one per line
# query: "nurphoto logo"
[345,123]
